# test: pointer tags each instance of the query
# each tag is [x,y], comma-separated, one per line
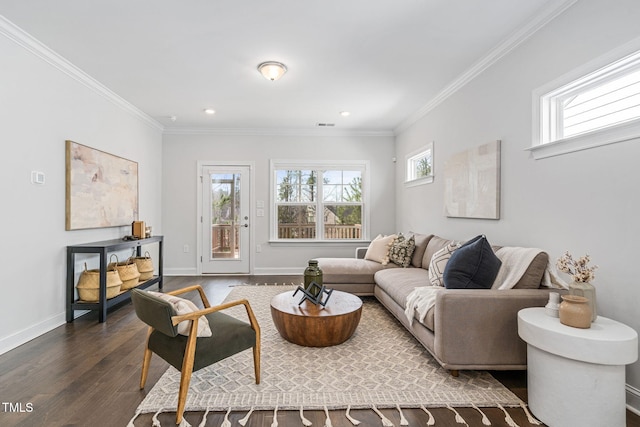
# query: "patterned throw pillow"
[438,263]
[402,250]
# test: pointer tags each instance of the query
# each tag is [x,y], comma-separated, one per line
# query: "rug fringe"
[385,421]
[184,423]
[327,421]
[275,417]
[244,420]
[155,422]
[203,423]
[305,421]
[530,417]
[403,420]
[130,424]
[507,417]
[431,421]
[459,418]
[225,422]
[485,419]
[350,418]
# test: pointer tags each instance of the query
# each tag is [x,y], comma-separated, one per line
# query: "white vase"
[588,291]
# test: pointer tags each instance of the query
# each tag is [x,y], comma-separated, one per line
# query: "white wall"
[584,202]
[182,152]
[41,107]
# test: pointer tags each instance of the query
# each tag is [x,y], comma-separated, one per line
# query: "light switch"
[260,212]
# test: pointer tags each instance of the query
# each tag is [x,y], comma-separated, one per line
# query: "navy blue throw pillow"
[472,266]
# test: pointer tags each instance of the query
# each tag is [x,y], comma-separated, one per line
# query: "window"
[318,201]
[595,105]
[420,166]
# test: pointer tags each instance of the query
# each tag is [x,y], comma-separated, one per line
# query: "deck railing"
[308,231]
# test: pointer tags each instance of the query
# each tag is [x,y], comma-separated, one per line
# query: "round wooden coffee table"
[312,325]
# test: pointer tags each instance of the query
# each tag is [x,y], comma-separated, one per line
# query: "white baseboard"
[179,272]
[290,271]
[633,399]
[21,337]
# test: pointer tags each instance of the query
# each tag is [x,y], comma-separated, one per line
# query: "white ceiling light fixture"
[272,70]
[345,113]
[209,111]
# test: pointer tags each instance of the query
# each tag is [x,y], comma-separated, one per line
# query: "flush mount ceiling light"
[209,111]
[272,70]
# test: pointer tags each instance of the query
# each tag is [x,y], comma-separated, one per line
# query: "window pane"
[343,222]
[297,222]
[342,186]
[606,105]
[296,185]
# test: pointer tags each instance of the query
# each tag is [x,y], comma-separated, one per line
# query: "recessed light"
[345,113]
[209,111]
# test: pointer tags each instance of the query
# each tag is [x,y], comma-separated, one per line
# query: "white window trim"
[275,164]
[425,179]
[611,135]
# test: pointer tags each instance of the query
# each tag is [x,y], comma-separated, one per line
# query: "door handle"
[245,225]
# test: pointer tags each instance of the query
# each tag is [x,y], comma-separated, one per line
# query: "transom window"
[595,105]
[419,166]
[318,201]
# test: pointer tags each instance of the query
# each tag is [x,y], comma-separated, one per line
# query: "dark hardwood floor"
[87,373]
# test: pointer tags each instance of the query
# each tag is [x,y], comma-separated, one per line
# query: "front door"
[225,219]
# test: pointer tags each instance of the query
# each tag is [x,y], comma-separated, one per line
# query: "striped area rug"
[381,366]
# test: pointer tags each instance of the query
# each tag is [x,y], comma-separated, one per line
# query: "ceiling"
[381,60]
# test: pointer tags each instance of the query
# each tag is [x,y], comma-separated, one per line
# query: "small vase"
[575,311]
[313,273]
[552,307]
[587,290]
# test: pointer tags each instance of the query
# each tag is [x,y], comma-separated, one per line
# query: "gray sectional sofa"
[466,328]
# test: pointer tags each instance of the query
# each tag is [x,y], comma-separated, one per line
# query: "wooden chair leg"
[187,370]
[146,361]
[454,373]
[256,362]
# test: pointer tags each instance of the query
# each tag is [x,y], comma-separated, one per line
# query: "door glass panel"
[225,215]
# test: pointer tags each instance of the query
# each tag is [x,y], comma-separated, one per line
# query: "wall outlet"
[258,248]
[185,249]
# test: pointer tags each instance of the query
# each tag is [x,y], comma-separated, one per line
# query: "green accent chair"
[191,353]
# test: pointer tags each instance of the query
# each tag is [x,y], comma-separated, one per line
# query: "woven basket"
[128,272]
[89,284]
[145,266]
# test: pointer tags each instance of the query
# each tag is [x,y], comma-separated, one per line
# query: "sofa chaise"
[463,328]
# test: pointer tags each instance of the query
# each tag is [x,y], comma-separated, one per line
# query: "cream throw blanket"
[515,261]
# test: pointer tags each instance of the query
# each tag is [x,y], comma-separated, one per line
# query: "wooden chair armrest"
[194,316]
[198,288]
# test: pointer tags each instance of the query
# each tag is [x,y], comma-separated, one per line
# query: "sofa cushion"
[350,270]
[435,244]
[421,246]
[401,250]
[378,250]
[400,282]
[439,262]
[472,266]
[532,277]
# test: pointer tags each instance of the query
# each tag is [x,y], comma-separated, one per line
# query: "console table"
[576,377]
[102,249]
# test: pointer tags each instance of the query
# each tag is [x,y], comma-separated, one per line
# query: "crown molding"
[276,132]
[514,40]
[29,43]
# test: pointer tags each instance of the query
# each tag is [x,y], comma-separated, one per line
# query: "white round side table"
[576,377]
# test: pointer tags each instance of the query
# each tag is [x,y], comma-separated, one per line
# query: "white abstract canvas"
[472,183]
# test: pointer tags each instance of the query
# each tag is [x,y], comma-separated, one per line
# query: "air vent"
[325,125]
